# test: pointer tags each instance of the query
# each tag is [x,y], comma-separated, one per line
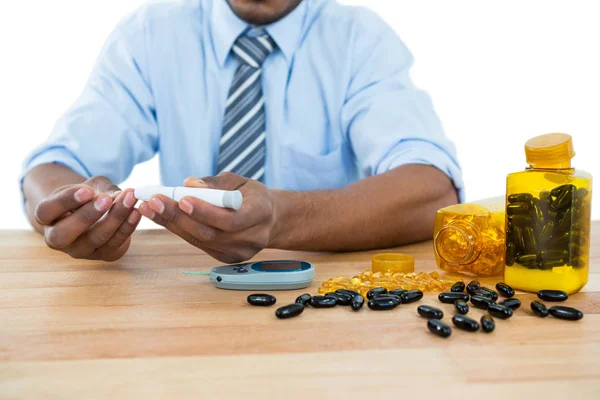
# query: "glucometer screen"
[281,266]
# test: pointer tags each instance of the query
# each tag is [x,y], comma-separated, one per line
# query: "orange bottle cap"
[392,262]
[551,151]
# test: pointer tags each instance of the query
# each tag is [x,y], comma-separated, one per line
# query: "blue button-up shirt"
[340,104]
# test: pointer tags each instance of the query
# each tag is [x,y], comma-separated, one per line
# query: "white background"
[499,72]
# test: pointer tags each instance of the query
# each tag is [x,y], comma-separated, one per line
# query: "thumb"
[104,185]
[223,181]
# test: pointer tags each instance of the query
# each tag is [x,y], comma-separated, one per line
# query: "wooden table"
[140,328]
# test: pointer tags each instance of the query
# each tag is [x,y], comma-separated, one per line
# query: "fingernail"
[102,203]
[186,206]
[146,211]
[157,205]
[134,218]
[83,194]
[129,200]
[114,195]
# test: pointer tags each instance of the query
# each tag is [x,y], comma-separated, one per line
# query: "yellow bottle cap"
[392,262]
[552,151]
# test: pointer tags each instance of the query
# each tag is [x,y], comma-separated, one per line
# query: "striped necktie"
[242,148]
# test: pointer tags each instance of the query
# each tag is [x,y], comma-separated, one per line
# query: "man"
[305,106]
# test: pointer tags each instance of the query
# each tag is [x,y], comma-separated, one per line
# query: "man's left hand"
[227,235]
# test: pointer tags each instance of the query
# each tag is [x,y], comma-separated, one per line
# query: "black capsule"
[465,323]
[481,302]
[411,296]
[510,254]
[529,238]
[562,188]
[340,298]
[472,286]
[539,309]
[517,208]
[451,297]
[348,292]
[512,303]
[374,291]
[430,312]
[546,233]
[357,302]
[568,313]
[303,299]
[461,307]
[439,328]
[552,295]
[397,292]
[382,304]
[499,311]
[261,299]
[485,295]
[487,323]
[323,302]
[289,311]
[489,293]
[504,289]
[458,287]
[388,296]
[520,198]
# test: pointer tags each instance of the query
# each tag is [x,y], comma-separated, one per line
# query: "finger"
[224,181]
[112,249]
[67,230]
[57,204]
[194,182]
[221,218]
[99,234]
[105,185]
[169,211]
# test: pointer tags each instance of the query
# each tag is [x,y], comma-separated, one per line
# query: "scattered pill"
[261,299]
[397,292]
[505,290]
[499,311]
[465,323]
[439,328]
[451,297]
[303,299]
[411,296]
[461,307]
[483,294]
[487,323]
[568,313]
[430,312]
[539,309]
[382,304]
[340,298]
[552,295]
[374,291]
[490,293]
[388,296]
[357,302]
[472,286]
[511,303]
[289,311]
[481,302]
[349,292]
[458,287]
[322,302]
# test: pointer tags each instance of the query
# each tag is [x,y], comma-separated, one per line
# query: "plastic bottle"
[548,215]
[470,238]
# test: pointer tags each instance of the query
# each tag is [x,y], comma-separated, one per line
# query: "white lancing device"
[221,198]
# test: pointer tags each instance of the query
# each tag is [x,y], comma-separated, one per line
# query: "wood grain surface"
[139,328]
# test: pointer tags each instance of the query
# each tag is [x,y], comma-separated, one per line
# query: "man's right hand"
[92,220]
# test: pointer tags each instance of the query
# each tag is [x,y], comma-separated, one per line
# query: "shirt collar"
[226,27]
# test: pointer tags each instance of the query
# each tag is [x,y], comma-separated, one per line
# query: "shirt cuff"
[53,155]
[418,152]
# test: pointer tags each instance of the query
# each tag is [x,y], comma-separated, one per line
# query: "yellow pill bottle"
[469,238]
[548,217]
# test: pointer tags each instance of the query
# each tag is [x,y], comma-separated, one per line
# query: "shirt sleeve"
[388,120]
[112,125]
